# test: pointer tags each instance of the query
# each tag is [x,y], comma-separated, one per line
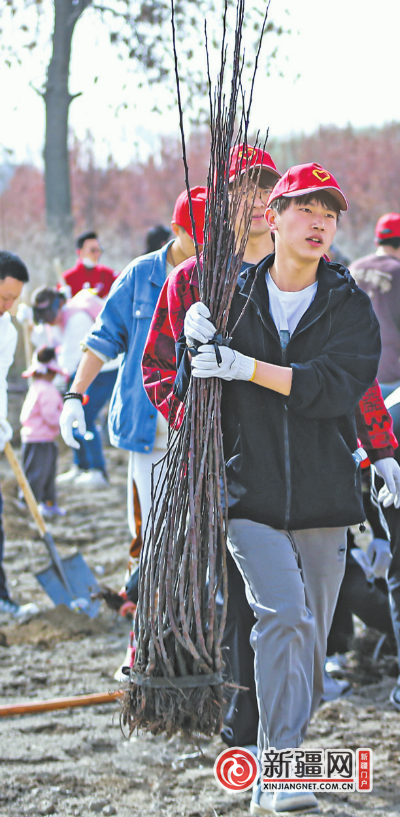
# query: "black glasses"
[249,193]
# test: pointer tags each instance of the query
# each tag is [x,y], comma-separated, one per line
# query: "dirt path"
[77,762]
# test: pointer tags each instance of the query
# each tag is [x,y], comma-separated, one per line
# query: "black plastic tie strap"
[216,341]
[184,682]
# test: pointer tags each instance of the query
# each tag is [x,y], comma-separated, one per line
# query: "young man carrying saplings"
[304,350]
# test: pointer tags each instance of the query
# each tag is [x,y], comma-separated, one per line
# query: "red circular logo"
[236,769]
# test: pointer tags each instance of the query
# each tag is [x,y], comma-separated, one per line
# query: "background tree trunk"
[57,100]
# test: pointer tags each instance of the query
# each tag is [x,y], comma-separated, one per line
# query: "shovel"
[67,581]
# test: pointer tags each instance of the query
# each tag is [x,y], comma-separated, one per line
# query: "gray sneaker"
[335,688]
[282,802]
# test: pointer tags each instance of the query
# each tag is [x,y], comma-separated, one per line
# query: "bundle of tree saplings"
[176,683]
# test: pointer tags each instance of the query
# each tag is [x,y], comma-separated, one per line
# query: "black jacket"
[289,459]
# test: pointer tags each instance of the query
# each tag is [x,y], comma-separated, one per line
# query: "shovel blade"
[81,581]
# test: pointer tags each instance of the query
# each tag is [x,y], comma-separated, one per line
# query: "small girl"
[40,415]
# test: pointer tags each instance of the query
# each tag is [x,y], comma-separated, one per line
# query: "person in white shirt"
[13,275]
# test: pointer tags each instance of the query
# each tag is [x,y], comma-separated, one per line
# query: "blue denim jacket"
[122,326]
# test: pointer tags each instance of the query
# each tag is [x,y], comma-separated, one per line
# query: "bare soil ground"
[77,761]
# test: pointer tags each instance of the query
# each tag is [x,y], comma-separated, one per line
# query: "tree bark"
[57,100]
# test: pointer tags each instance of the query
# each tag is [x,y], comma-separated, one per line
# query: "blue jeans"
[90,454]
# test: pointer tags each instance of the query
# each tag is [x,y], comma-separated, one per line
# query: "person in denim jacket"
[122,327]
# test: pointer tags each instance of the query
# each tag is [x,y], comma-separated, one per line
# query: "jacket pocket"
[142,309]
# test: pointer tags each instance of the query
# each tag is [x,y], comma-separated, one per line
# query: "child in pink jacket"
[39,418]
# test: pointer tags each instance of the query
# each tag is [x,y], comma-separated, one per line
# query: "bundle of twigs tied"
[177,683]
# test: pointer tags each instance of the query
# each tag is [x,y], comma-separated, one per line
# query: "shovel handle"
[33,507]
[25,487]
[60,703]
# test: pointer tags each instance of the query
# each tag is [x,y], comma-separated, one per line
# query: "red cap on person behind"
[301,180]
[388,226]
[181,214]
[244,156]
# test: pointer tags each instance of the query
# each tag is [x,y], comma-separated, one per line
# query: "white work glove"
[196,326]
[389,470]
[234,365]
[6,432]
[380,557]
[72,416]
[24,314]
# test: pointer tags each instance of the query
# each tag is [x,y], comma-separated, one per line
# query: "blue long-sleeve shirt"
[122,327]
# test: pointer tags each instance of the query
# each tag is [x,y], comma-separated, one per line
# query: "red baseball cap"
[303,179]
[181,214]
[388,226]
[244,156]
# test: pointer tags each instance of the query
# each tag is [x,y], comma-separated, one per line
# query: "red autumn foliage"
[123,203]
[22,203]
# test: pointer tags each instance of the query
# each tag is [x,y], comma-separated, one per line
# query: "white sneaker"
[128,661]
[69,476]
[48,510]
[57,511]
[294,802]
[261,802]
[336,663]
[26,611]
[282,802]
[92,479]
[22,612]
[335,688]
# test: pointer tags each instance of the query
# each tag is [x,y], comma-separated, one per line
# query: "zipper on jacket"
[286,423]
[307,326]
[287,453]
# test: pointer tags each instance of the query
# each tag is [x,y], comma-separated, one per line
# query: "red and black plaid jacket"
[180,291]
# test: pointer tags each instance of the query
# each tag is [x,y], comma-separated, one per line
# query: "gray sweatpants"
[292,584]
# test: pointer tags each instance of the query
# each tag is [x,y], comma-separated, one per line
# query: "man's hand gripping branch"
[233,365]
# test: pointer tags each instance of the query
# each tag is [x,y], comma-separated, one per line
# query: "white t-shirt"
[8,342]
[287,308]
